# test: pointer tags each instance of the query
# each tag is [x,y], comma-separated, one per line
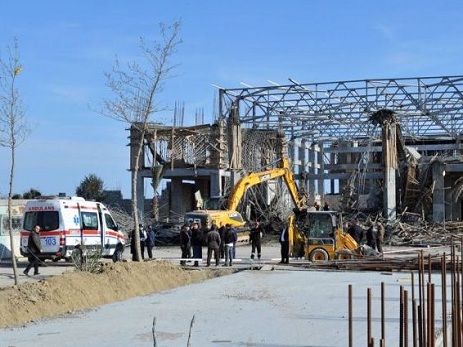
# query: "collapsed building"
[391,146]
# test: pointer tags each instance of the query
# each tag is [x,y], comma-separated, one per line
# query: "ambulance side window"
[110,223]
[89,220]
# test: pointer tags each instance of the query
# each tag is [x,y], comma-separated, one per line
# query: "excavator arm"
[298,199]
[251,180]
[259,177]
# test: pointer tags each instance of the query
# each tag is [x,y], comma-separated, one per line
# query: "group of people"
[147,241]
[220,242]
[374,235]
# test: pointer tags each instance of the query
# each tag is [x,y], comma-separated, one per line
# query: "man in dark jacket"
[229,240]
[213,243]
[197,242]
[255,238]
[356,231]
[150,240]
[35,248]
[371,236]
[185,243]
[222,240]
[284,243]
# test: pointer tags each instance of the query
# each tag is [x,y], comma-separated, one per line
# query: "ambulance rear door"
[45,214]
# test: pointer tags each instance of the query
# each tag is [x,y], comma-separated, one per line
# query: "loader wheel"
[319,254]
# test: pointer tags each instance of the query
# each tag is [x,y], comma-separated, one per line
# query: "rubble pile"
[424,233]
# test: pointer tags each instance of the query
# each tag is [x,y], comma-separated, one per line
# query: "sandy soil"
[76,290]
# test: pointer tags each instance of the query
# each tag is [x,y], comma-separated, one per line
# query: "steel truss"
[330,111]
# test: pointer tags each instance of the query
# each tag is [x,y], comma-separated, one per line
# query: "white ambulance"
[70,222]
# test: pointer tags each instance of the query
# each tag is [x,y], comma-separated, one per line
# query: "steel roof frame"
[329,111]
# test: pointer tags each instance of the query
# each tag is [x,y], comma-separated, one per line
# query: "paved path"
[270,255]
[275,307]
[250,308]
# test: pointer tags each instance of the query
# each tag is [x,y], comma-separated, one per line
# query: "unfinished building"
[389,145]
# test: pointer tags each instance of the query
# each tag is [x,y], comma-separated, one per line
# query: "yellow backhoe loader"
[319,235]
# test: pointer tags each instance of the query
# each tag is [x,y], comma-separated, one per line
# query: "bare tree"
[13,125]
[135,86]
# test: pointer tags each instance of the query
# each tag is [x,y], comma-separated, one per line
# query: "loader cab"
[317,224]
[320,231]
[321,226]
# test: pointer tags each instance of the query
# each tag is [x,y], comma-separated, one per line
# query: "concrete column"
[311,169]
[234,144]
[331,181]
[389,145]
[438,196]
[389,194]
[215,183]
[177,197]
[321,172]
[302,184]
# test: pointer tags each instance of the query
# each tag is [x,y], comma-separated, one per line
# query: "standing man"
[132,245]
[213,243]
[142,240]
[222,240]
[255,238]
[235,233]
[380,236]
[356,231]
[372,235]
[35,248]
[230,239]
[185,244]
[197,242]
[150,240]
[284,242]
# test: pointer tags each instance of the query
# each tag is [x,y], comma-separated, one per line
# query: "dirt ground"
[76,290]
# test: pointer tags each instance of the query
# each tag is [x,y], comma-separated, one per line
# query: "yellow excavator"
[314,235]
[230,215]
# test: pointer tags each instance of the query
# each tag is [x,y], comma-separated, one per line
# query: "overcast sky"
[66,46]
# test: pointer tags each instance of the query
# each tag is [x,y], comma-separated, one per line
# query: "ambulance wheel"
[319,254]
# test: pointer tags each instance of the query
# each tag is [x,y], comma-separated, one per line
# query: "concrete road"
[250,308]
[274,307]
[270,255]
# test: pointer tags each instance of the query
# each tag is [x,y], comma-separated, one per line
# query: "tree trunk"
[10,217]
[136,234]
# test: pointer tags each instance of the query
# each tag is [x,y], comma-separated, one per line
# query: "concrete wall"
[17,212]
